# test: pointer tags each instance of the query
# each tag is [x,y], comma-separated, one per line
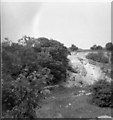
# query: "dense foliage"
[98,57]
[31,64]
[73,48]
[96,47]
[112,64]
[101,93]
[28,66]
[109,46]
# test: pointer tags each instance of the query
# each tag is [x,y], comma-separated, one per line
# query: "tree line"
[108,46]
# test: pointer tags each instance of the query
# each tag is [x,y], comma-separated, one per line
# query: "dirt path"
[66,104]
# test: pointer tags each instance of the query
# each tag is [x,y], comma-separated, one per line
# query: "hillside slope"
[73,102]
[86,73]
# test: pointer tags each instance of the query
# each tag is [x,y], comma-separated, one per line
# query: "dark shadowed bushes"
[96,47]
[27,67]
[101,93]
[109,46]
[73,48]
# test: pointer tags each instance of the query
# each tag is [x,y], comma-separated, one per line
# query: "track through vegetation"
[68,103]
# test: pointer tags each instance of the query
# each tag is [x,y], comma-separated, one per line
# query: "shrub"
[27,67]
[73,48]
[9,98]
[95,47]
[101,93]
[98,57]
[109,46]
[21,96]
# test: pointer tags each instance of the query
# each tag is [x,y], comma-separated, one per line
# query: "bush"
[98,57]
[21,96]
[101,93]
[28,66]
[9,98]
[95,47]
[73,48]
[109,46]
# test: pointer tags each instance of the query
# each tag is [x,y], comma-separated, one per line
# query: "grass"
[54,106]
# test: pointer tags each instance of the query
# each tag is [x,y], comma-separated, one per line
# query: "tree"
[96,47]
[73,47]
[109,46]
[93,47]
[99,47]
[6,42]
[56,57]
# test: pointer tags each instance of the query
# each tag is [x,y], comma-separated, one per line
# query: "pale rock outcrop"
[86,74]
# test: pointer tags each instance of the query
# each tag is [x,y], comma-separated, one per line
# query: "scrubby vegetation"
[101,93]
[96,47]
[31,64]
[73,48]
[102,90]
[109,46]
[28,66]
[98,57]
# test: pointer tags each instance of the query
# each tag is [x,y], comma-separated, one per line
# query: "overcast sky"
[81,23]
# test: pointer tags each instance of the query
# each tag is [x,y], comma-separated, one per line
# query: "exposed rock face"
[86,74]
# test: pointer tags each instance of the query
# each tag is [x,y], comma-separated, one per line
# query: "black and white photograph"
[56,59]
